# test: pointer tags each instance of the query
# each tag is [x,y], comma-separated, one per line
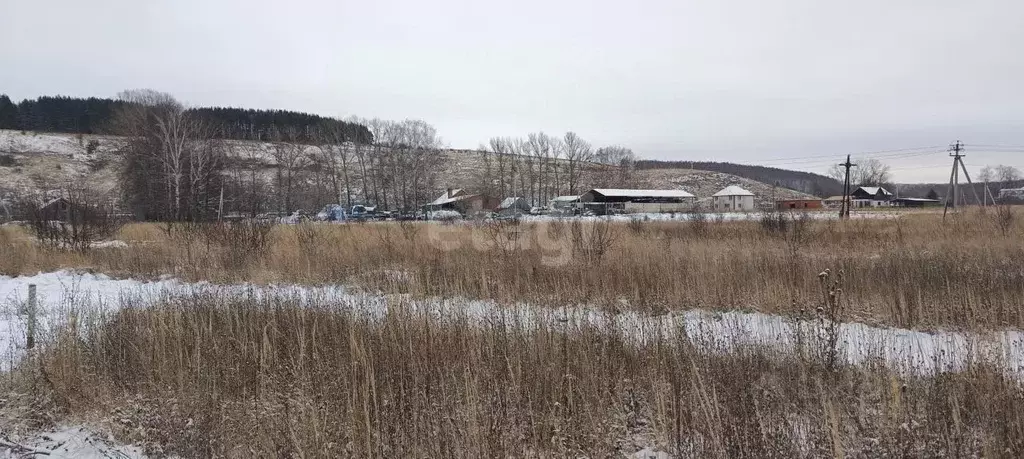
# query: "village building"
[613,200]
[871,196]
[915,202]
[513,206]
[833,202]
[1011,195]
[732,199]
[463,202]
[801,204]
[56,209]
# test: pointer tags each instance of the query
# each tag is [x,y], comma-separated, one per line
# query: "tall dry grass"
[204,376]
[913,271]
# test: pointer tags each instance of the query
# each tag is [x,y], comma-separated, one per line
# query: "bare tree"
[871,172]
[504,165]
[836,172]
[987,174]
[172,167]
[335,157]
[1007,174]
[577,154]
[539,147]
[289,161]
[250,187]
[619,165]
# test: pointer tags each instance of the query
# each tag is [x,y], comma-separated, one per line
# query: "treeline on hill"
[94,116]
[807,182]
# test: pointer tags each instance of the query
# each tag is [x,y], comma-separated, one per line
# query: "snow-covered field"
[65,294]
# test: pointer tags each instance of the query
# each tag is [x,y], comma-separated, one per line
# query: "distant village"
[457,203]
[611,201]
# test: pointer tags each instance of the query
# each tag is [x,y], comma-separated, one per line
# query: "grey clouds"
[730,80]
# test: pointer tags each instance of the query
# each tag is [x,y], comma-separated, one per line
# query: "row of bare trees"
[172,168]
[176,169]
[540,167]
[398,170]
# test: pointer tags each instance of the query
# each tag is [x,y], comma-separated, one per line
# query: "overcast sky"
[731,80]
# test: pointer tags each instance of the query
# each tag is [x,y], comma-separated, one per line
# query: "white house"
[1011,194]
[732,199]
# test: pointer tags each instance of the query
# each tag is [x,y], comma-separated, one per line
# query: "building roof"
[916,200]
[873,190]
[565,198]
[834,198]
[732,190]
[445,198]
[507,203]
[625,193]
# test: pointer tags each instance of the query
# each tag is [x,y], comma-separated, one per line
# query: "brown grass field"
[214,375]
[914,272]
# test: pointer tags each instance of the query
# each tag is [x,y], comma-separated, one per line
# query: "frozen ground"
[712,217]
[63,294]
[66,442]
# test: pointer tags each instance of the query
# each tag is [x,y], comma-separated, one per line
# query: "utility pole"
[844,210]
[956,150]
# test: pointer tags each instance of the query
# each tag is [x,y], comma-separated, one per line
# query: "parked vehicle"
[364,212]
[332,213]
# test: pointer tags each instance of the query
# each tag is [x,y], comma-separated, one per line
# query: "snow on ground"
[713,216]
[66,442]
[67,145]
[62,294]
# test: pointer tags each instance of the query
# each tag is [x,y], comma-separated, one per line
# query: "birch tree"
[171,166]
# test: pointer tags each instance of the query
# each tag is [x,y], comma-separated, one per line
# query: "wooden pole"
[31,311]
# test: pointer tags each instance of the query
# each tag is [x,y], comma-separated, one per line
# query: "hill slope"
[703,184]
[805,182]
[38,161]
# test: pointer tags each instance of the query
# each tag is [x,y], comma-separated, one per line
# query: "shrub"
[72,222]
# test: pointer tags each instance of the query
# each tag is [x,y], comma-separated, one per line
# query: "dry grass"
[913,271]
[214,375]
[209,376]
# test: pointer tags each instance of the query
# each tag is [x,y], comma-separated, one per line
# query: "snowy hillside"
[36,161]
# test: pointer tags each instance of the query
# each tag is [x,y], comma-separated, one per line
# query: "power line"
[1021,147]
[879,153]
[826,162]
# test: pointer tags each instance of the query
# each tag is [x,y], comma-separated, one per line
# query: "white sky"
[729,80]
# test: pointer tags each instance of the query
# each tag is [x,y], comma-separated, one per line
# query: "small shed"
[833,201]
[513,206]
[800,204]
[915,202]
[459,200]
[732,199]
[55,209]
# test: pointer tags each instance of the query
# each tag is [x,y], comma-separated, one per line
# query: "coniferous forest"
[93,115]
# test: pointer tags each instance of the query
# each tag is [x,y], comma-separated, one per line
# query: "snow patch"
[67,442]
[65,294]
